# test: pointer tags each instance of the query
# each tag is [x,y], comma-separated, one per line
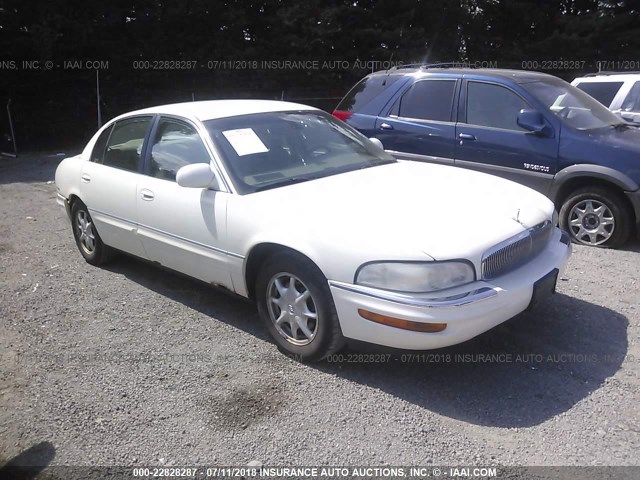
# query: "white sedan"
[331,237]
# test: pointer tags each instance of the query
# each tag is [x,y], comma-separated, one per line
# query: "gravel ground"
[131,365]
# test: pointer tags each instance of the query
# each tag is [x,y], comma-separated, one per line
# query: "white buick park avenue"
[330,236]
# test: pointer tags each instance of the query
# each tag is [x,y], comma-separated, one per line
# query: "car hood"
[405,210]
[618,149]
[627,138]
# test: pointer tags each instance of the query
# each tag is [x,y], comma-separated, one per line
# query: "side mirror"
[532,120]
[633,118]
[197,175]
[376,142]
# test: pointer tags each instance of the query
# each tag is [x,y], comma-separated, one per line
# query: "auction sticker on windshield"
[245,141]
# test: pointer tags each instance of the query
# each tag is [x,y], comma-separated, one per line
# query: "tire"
[298,334]
[91,246]
[597,217]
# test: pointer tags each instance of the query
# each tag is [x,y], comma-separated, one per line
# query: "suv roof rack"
[425,65]
[433,65]
[607,72]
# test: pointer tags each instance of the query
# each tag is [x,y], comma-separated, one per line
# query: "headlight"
[415,277]
[554,219]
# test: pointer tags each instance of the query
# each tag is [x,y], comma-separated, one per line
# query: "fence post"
[13,136]
[98,98]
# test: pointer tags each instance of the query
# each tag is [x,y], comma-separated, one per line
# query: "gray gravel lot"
[132,365]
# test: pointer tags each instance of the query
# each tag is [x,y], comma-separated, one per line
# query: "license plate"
[543,288]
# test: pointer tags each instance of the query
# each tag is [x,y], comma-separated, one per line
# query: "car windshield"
[269,150]
[574,107]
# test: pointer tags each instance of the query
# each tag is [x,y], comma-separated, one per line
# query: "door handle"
[86,178]
[386,126]
[147,194]
[466,136]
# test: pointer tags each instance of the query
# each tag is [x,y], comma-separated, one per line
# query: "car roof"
[517,76]
[609,77]
[212,109]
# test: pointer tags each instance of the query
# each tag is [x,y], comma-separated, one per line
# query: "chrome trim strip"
[193,242]
[528,232]
[505,251]
[478,295]
[168,234]
[92,210]
[422,121]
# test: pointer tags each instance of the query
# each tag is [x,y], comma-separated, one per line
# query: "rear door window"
[98,149]
[604,92]
[124,148]
[428,100]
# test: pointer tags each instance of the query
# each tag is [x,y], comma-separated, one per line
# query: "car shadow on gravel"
[521,373]
[30,463]
[213,302]
[31,167]
[632,246]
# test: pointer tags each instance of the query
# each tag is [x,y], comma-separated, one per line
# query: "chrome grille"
[516,251]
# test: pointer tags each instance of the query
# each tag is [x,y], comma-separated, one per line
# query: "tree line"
[237,48]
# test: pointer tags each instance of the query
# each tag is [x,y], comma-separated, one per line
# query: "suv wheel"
[596,216]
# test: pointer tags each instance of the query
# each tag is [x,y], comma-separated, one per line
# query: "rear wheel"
[295,303]
[91,246]
[597,216]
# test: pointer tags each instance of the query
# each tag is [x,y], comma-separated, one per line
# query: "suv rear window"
[604,92]
[365,91]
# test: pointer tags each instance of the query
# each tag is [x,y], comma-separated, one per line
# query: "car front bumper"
[468,310]
[63,202]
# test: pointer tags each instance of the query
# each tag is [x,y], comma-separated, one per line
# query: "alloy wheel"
[86,233]
[591,222]
[292,309]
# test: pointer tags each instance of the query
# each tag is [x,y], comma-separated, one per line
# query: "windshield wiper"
[284,181]
[618,126]
[375,163]
[383,161]
[325,173]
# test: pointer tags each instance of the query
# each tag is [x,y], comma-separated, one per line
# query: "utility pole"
[98,98]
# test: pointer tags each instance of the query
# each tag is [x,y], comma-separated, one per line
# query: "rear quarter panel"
[67,177]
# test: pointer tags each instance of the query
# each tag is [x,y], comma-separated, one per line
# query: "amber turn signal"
[403,324]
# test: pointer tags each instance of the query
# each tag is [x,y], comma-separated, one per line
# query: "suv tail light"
[341,114]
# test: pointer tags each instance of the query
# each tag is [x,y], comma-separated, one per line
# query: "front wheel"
[295,303]
[596,216]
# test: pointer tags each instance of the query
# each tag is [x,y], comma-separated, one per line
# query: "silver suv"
[619,92]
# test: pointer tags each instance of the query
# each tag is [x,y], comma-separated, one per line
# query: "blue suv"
[529,127]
